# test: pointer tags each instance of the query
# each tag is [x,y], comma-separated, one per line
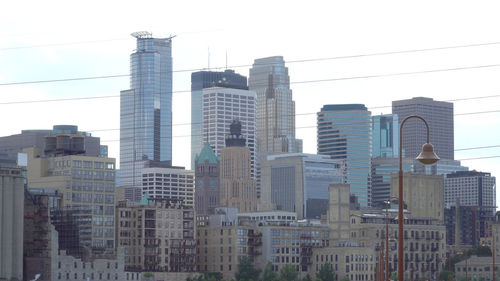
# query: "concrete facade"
[11,226]
[438,114]
[88,187]
[169,183]
[237,187]
[423,194]
[156,235]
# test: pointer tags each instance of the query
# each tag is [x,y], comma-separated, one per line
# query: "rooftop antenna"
[226,59]
[208,58]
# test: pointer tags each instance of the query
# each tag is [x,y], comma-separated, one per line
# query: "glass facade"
[146,109]
[385,131]
[344,132]
[318,175]
[206,79]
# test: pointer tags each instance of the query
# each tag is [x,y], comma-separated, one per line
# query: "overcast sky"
[45,40]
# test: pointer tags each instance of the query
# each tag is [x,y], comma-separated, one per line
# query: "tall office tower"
[298,182]
[220,107]
[146,111]
[207,181]
[438,114]
[275,109]
[88,186]
[470,188]
[344,132]
[175,184]
[237,187]
[207,79]
[11,223]
[385,136]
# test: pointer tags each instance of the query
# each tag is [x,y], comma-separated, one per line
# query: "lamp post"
[427,156]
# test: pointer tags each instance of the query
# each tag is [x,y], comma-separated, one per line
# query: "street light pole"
[427,156]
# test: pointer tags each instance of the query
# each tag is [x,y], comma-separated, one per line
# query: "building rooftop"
[207,154]
[474,173]
[341,107]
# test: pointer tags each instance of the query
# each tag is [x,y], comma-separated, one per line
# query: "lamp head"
[427,156]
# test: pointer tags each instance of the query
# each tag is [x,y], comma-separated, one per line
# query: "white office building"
[170,183]
[220,107]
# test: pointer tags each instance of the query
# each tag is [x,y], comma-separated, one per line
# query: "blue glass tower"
[385,130]
[344,132]
[146,109]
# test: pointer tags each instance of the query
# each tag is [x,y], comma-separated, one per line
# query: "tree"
[307,278]
[445,275]
[269,274]
[326,273]
[246,270]
[394,276]
[345,278]
[288,273]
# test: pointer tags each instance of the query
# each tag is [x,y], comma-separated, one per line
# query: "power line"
[478,147]
[303,127]
[249,65]
[185,91]
[477,158]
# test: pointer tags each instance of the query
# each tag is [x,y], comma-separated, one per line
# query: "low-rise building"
[476,268]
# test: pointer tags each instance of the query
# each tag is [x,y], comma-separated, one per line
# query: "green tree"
[307,278]
[269,274]
[445,275]
[246,270]
[288,273]
[326,273]
[345,278]
[394,276]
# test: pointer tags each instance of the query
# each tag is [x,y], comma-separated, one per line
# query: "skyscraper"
[237,187]
[344,132]
[220,107]
[438,114]
[146,110]
[385,131]
[275,107]
[275,110]
[207,79]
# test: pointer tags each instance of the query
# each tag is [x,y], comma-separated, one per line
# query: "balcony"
[254,235]
[254,243]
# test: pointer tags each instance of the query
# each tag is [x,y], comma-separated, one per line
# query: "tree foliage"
[269,274]
[246,270]
[445,275]
[326,273]
[288,273]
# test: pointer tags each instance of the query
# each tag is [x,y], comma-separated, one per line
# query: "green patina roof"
[207,154]
[144,200]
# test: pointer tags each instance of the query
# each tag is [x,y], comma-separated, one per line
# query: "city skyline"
[72,59]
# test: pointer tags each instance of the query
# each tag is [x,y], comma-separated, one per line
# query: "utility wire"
[303,127]
[185,91]
[249,65]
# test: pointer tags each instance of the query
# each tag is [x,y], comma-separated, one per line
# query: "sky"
[52,40]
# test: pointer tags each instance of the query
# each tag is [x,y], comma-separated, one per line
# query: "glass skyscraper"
[146,110]
[344,132]
[385,136]
[206,79]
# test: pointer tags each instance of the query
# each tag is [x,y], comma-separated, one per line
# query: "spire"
[207,154]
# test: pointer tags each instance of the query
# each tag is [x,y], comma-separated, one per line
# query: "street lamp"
[427,156]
